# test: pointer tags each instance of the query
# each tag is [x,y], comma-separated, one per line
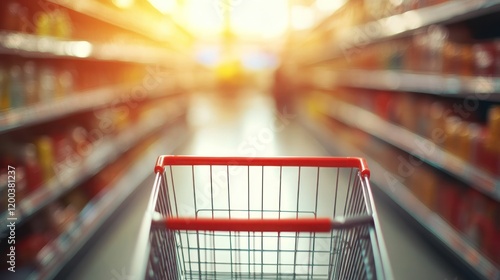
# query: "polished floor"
[247,125]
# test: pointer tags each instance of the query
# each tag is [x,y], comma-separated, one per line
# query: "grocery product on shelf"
[45,150]
[493,124]
[60,217]
[47,84]
[4,89]
[16,87]
[424,184]
[10,16]
[449,198]
[34,172]
[483,156]
[470,212]
[28,246]
[36,18]
[486,56]
[67,118]
[30,83]
[425,85]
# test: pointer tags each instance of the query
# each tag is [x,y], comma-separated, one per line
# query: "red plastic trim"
[354,162]
[249,225]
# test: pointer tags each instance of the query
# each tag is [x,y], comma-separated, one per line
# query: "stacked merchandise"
[414,85]
[77,115]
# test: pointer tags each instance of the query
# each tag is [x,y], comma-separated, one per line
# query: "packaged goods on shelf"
[4,92]
[424,184]
[28,246]
[11,19]
[31,89]
[34,172]
[426,94]
[493,125]
[483,155]
[45,149]
[36,18]
[15,88]
[471,213]
[487,59]
[449,198]
[60,216]
[472,205]
[458,59]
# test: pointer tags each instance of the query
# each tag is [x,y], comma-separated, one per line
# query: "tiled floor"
[247,125]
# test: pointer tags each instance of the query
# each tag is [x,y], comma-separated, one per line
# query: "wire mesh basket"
[264,218]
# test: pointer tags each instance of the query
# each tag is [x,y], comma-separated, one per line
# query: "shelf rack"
[34,46]
[73,103]
[55,255]
[412,143]
[104,153]
[482,88]
[400,25]
[400,194]
[162,31]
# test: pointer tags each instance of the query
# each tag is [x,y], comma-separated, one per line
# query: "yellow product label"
[4,99]
[492,144]
[494,122]
[4,93]
[43,25]
[62,24]
[46,157]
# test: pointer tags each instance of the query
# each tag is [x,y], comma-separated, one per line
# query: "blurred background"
[92,91]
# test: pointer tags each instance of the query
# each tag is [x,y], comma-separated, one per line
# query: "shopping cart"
[263,218]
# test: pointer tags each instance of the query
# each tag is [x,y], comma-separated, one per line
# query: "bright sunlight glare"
[252,19]
[123,4]
[329,6]
[302,17]
[164,6]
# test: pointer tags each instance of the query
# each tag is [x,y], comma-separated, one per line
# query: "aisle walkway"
[248,126]
[245,126]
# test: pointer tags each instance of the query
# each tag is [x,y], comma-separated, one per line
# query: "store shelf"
[413,144]
[74,103]
[403,24]
[104,152]
[400,194]
[55,255]
[159,28]
[483,88]
[34,46]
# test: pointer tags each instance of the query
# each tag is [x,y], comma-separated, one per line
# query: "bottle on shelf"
[493,124]
[4,89]
[449,197]
[47,83]
[30,83]
[45,151]
[424,184]
[11,19]
[15,89]
[34,172]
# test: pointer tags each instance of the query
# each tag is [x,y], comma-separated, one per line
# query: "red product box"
[482,155]
[472,206]
[449,197]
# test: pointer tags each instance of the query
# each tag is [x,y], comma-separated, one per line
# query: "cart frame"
[359,251]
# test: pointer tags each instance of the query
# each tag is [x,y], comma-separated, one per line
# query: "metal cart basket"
[263,218]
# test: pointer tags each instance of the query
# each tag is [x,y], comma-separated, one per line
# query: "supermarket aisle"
[248,126]
[240,127]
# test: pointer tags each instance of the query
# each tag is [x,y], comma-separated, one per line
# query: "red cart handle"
[264,225]
[354,162]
